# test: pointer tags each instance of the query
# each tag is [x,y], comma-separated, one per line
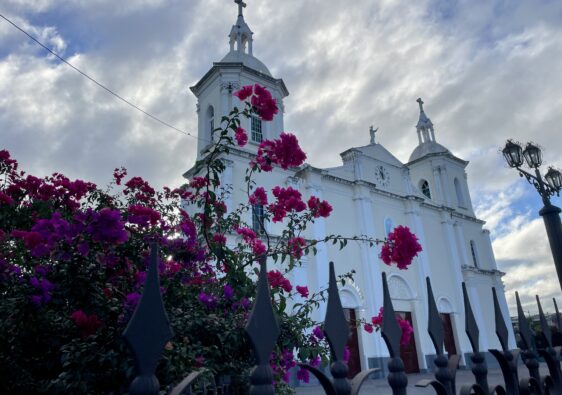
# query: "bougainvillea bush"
[73,261]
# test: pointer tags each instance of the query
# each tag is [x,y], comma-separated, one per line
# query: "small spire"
[372,132]
[240,34]
[420,102]
[424,126]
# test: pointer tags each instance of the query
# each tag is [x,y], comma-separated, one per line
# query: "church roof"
[247,60]
[375,151]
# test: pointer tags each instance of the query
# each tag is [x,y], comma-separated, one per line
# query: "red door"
[354,363]
[448,334]
[408,352]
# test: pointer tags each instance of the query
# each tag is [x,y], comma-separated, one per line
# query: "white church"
[371,192]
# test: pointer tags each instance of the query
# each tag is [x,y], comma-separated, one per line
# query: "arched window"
[257,133]
[458,190]
[474,253]
[424,187]
[388,226]
[210,122]
[258,218]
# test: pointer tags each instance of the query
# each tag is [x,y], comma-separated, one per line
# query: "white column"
[455,266]
[369,260]
[414,219]
[224,102]
[445,185]
[413,216]
[461,243]
[437,183]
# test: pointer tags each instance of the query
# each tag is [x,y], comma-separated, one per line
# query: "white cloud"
[487,71]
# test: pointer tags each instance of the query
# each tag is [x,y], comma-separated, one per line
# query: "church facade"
[371,192]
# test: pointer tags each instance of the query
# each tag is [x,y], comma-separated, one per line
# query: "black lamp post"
[532,155]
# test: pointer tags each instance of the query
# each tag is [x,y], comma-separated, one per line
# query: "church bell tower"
[239,67]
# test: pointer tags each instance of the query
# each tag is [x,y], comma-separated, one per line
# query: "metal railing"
[148,331]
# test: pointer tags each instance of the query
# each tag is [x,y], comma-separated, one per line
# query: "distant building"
[371,192]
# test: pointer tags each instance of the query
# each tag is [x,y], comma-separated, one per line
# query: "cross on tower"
[241,5]
[420,102]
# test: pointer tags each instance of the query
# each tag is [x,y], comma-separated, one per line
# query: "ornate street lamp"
[548,186]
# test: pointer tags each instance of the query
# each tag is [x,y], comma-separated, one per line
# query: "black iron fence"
[148,331]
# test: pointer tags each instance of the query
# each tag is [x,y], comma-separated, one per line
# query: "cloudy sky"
[487,70]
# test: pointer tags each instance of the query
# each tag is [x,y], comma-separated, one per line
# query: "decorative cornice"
[237,66]
[491,273]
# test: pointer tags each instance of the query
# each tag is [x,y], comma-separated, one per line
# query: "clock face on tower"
[382,176]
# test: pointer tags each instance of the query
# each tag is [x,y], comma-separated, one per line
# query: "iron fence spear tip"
[434,325]
[149,329]
[390,330]
[501,328]
[471,328]
[336,327]
[524,329]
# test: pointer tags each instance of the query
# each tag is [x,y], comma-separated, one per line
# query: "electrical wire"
[96,82]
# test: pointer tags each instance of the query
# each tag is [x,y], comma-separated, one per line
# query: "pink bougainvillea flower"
[106,226]
[219,239]
[401,247]
[319,208]
[407,331]
[377,320]
[258,247]
[244,92]
[303,291]
[228,291]
[284,151]
[318,333]
[132,299]
[143,216]
[259,196]
[264,103]
[208,300]
[296,246]
[198,182]
[6,199]
[277,280]
[119,174]
[288,199]
[88,324]
[241,137]
[303,375]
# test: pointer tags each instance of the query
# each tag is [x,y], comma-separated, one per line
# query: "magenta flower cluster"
[261,100]
[284,152]
[401,248]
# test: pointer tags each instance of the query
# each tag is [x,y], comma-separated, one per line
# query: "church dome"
[427,148]
[247,60]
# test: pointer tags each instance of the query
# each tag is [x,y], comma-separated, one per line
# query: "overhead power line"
[96,82]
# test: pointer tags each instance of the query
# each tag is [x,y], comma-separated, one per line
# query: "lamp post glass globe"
[533,155]
[513,154]
[554,178]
